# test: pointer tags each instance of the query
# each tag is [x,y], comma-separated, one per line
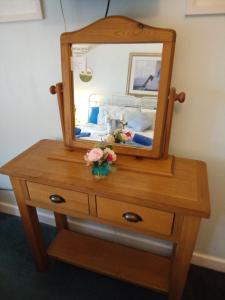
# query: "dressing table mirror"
[116,77]
[116,91]
[120,69]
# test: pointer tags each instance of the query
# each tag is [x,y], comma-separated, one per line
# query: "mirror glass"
[116,91]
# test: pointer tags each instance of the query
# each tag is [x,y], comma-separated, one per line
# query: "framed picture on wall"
[20,10]
[144,74]
[205,7]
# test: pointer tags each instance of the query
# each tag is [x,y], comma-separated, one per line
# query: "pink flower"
[128,134]
[94,154]
[110,157]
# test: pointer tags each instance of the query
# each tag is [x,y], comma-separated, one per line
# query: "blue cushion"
[83,134]
[77,130]
[141,139]
[93,117]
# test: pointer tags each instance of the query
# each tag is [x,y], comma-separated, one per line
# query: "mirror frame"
[118,29]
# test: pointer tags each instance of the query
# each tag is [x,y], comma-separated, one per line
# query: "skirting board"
[105,232]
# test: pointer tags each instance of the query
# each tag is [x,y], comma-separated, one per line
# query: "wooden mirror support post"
[173,97]
[58,89]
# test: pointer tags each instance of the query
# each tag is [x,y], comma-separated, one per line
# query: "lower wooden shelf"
[136,266]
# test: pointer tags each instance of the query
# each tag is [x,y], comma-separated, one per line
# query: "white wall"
[30,63]
[199,124]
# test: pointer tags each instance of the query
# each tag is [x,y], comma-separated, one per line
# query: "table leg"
[60,221]
[182,256]
[31,224]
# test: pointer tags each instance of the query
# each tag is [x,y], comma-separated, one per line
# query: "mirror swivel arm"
[172,98]
[180,97]
[55,89]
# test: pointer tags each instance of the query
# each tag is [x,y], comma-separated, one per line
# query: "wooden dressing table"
[170,208]
[164,197]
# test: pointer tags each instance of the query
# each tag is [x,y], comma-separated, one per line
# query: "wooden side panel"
[68,95]
[60,221]
[168,122]
[92,205]
[164,88]
[182,256]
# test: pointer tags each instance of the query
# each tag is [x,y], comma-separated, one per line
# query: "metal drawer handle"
[56,198]
[132,217]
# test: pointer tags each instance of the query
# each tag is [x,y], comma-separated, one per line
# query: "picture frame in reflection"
[144,74]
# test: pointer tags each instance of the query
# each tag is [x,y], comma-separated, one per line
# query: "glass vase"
[100,171]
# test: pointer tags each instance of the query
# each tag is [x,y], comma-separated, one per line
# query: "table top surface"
[185,192]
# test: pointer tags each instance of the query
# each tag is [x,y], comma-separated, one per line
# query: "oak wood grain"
[168,125]
[60,221]
[182,256]
[73,201]
[152,219]
[115,260]
[125,162]
[186,192]
[58,89]
[171,208]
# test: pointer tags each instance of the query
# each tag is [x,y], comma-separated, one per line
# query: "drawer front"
[67,200]
[135,216]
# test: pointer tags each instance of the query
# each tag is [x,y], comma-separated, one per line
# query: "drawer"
[73,201]
[135,216]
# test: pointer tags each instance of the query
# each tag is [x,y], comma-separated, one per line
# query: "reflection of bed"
[139,113]
[97,132]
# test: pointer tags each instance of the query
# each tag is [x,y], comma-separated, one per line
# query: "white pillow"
[139,121]
[113,111]
[148,103]
[152,115]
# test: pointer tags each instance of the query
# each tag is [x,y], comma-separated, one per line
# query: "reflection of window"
[81,104]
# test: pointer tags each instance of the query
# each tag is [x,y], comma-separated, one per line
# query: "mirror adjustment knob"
[132,217]
[56,198]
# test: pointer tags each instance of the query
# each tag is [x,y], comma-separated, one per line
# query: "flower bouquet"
[120,136]
[100,158]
